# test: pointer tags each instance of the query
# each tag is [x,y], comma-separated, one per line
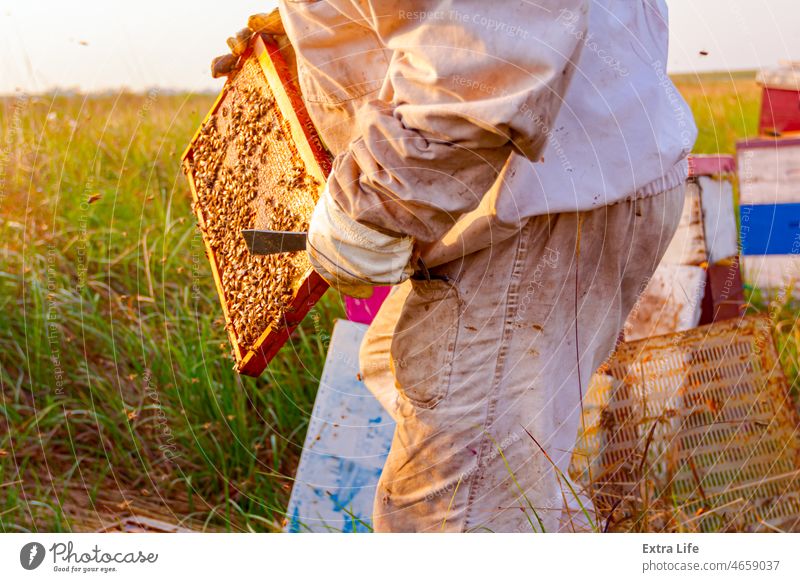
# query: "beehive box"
[702,419]
[678,293]
[257,162]
[671,302]
[707,231]
[780,99]
[689,245]
[347,442]
[769,213]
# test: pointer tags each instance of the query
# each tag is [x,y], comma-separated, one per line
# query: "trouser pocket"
[424,342]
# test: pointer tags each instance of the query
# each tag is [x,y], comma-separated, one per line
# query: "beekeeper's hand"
[257,24]
[352,257]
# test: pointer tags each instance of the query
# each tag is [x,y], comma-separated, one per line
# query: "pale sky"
[95,45]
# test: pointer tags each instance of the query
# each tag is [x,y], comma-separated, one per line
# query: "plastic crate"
[703,417]
[257,162]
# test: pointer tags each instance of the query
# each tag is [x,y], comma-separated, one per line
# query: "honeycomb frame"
[264,75]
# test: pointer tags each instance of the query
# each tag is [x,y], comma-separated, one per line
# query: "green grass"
[114,367]
[726,108]
[115,374]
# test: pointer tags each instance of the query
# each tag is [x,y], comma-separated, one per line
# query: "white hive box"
[706,235]
[769,210]
[348,438]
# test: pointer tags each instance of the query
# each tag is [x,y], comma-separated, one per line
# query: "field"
[116,388]
[726,108]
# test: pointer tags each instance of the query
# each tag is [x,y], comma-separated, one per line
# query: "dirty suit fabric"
[483,368]
[553,106]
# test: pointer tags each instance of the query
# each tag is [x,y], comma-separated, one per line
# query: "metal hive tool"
[704,417]
[257,162]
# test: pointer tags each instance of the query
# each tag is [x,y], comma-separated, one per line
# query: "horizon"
[111,91]
[100,47]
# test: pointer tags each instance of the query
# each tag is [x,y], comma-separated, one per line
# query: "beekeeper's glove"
[257,24]
[352,257]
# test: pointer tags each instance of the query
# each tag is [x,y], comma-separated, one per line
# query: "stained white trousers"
[483,368]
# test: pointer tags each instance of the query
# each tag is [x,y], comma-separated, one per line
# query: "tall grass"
[115,371]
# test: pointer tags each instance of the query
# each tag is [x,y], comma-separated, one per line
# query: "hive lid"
[786,77]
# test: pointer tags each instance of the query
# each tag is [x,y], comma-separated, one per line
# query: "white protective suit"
[536,154]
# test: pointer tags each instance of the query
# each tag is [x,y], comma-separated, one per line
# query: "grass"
[116,388]
[115,374]
[726,108]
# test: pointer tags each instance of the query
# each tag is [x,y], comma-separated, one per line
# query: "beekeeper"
[516,171]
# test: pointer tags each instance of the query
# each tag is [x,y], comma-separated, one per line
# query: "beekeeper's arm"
[467,85]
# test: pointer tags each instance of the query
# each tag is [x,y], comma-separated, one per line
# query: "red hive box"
[780,102]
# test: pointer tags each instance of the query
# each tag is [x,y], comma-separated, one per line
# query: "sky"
[97,45]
